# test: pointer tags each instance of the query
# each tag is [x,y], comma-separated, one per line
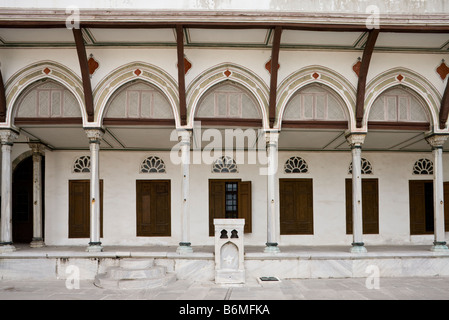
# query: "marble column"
[436,142]
[184,137]
[355,140]
[272,155]
[94,136]
[7,136]
[38,151]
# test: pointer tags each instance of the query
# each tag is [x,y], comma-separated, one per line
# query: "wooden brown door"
[421,206]
[79,208]
[370,206]
[296,206]
[227,199]
[153,208]
[446,206]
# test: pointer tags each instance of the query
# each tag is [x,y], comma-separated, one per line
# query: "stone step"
[121,273]
[103,281]
[136,263]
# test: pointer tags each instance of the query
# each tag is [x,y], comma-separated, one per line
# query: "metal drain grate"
[269,279]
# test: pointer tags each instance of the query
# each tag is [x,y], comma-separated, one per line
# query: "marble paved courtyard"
[416,288]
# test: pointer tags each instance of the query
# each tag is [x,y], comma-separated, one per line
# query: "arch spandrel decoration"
[152,164]
[405,78]
[423,167]
[366,167]
[43,70]
[130,72]
[316,75]
[296,165]
[81,165]
[224,164]
[222,73]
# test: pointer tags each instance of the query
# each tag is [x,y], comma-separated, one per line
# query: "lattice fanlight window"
[152,164]
[82,165]
[423,166]
[296,165]
[224,164]
[398,105]
[367,168]
[48,99]
[315,102]
[228,101]
[139,100]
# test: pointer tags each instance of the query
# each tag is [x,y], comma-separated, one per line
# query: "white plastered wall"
[120,170]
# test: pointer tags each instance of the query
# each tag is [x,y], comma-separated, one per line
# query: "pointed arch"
[332,80]
[42,70]
[128,73]
[222,73]
[402,77]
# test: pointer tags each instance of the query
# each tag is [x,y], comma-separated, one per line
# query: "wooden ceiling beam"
[444,109]
[274,73]
[181,74]
[2,99]
[85,75]
[361,85]
[340,27]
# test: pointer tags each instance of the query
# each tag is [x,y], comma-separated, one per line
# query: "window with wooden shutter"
[296,206]
[421,207]
[446,206]
[153,208]
[79,208]
[229,199]
[370,206]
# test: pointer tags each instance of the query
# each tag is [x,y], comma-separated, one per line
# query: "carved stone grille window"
[296,165]
[152,164]
[423,166]
[48,99]
[224,164]
[315,102]
[367,168]
[139,100]
[228,101]
[398,105]
[82,165]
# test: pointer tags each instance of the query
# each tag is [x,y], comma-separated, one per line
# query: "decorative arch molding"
[221,73]
[316,75]
[128,73]
[408,79]
[29,75]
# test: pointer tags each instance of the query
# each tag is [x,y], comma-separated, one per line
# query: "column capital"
[94,134]
[7,136]
[355,139]
[271,137]
[184,135]
[436,140]
[37,148]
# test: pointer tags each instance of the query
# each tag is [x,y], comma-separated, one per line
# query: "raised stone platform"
[293,262]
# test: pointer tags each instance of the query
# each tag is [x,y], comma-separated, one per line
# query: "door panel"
[79,208]
[153,208]
[418,193]
[296,206]
[370,206]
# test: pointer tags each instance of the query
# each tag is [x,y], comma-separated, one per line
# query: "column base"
[358,247]
[271,247]
[94,247]
[7,247]
[439,247]
[184,247]
[37,243]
